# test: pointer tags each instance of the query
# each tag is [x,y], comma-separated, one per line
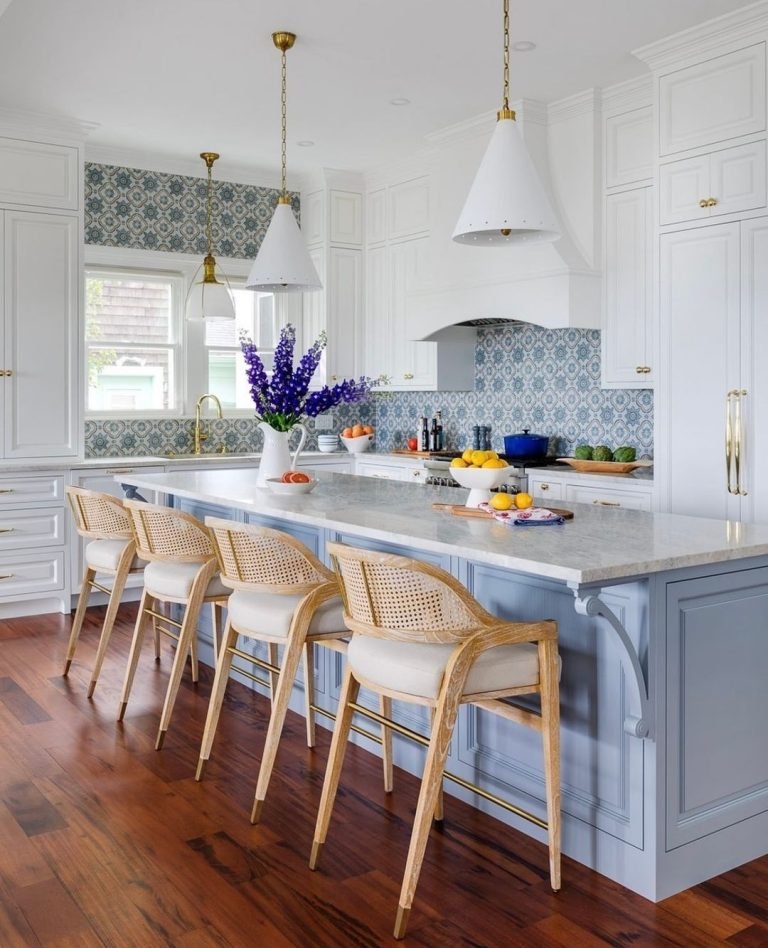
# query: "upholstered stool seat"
[181,569]
[282,595]
[418,636]
[111,553]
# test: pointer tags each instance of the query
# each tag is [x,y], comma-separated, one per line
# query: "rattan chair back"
[163,533]
[98,516]
[396,597]
[265,560]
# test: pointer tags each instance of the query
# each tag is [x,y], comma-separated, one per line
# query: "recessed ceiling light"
[400,101]
[523,46]
[305,143]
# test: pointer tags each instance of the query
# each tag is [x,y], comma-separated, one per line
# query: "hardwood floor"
[104,841]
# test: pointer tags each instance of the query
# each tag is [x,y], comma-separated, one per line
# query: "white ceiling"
[176,77]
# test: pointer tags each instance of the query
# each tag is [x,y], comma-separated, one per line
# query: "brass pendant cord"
[505,96]
[283,120]
[209,211]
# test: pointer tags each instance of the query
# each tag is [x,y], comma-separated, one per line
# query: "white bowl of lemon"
[480,471]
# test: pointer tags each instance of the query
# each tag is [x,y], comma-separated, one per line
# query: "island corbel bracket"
[592,605]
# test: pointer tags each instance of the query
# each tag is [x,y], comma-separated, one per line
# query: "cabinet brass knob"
[711,202]
[408,375]
[334,378]
[639,369]
[543,486]
[704,202]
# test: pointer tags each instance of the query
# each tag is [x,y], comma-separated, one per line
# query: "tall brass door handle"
[729,438]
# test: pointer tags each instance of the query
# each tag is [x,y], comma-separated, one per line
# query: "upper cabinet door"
[713,101]
[629,148]
[409,209]
[723,182]
[313,217]
[346,217]
[42,291]
[39,175]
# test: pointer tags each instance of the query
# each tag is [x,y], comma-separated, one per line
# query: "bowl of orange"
[357,438]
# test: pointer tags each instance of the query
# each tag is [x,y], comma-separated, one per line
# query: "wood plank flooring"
[105,842]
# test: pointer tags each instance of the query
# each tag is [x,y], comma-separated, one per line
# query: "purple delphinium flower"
[282,399]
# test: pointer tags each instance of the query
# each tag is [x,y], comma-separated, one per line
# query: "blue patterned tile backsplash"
[130,207]
[547,380]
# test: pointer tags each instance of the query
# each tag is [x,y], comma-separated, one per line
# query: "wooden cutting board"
[426,454]
[459,510]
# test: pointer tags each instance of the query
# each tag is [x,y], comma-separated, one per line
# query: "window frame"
[191,371]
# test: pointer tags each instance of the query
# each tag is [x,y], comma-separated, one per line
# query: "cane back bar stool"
[102,520]
[181,568]
[419,636]
[282,595]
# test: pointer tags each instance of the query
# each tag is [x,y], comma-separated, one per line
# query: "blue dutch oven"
[526,445]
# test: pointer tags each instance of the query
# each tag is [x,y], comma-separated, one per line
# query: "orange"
[358,431]
[367,429]
[346,433]
[523,500]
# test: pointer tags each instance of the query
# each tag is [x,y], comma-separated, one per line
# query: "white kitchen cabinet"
[391,468]
[722,182]
[714,398]
[408,209]
[334,234]
[599,490]
[413,364]
[39,174]
[40,360]
[712,101]
[627,338]
[376,216]
[629,147]
[33,544]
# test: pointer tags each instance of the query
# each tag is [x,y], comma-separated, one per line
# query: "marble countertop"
[597,545]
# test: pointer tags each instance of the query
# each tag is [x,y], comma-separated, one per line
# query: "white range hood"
[556,284]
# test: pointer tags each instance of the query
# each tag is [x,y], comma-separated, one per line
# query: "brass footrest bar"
[249,674]
[267,666]
[102,589]
[466,784]
[162,617]
[353,727]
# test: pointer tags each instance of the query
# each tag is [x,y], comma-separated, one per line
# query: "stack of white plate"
[327,443]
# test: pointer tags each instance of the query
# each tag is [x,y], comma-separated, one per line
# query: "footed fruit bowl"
[480,481]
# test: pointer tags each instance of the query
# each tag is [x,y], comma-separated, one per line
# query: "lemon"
[459,462]
[491,456]
[494,463]
[467,455]
[502,502]
[478,458]
[523,500]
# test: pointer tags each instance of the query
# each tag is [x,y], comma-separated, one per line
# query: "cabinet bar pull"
[8,576]
[607,503]
[729,438]
[407,375]
[738,442]
[7,529]
[6,490]
[119,470]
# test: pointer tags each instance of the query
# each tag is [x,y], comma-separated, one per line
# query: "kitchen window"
[144,358]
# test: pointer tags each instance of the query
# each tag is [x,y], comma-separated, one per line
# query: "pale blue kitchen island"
[663,623]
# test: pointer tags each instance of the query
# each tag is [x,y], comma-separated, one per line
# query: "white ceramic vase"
[275,457]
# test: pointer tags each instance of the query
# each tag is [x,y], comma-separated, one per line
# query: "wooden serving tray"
[459,510]
[604,467]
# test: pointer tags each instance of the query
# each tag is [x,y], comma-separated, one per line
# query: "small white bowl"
[480,481]
[327,443]
[280,487]
[357,445]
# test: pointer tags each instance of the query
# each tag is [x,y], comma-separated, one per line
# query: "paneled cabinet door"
[377,338]
[713,101]
[627,360]
[414,364]
[42,289]
[700,325]
[724,182]
[343,311]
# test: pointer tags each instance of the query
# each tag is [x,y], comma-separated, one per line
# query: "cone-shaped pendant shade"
[283,262]
[507,202]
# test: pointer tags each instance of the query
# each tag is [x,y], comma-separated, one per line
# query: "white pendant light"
[507,202]
[208,298]
[283,263]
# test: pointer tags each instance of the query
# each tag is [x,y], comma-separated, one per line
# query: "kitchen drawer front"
[38,527]
[547,490]
[25,489]
[606,497]
[24,573]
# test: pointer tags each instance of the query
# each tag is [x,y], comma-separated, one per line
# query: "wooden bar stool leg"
[439,807]
[274,677]
[118,585]
[147,602]
[309,691]
[220,681]
[156,629]
[193,656]
[431,782]
[550,735]
[291,659]
[217,616]
[77,623]
[187,637]
[349,691]
[385,707]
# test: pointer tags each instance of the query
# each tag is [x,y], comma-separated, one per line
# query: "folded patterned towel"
[530,517]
